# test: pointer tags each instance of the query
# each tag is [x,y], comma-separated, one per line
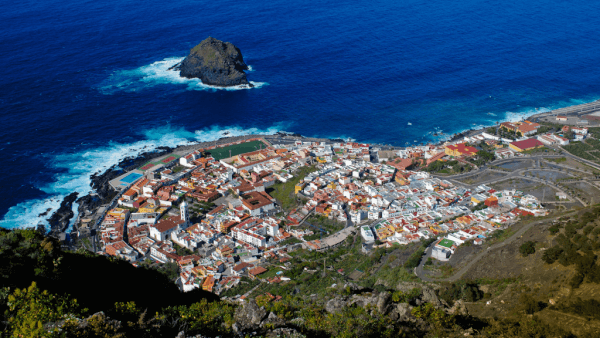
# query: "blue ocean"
[86,83]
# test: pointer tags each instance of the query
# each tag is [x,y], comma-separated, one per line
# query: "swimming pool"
[131,177]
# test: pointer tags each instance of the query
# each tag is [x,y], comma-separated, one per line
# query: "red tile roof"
[527,144]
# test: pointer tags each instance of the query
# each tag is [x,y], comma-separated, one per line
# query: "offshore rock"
[216,63]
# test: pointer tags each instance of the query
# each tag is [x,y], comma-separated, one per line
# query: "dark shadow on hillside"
[97,283]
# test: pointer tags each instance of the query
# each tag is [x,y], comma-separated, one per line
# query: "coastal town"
[231,211]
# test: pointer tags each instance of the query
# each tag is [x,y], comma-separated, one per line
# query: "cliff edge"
[215,63]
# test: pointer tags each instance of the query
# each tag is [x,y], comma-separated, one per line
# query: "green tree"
[527,248]
[529,304]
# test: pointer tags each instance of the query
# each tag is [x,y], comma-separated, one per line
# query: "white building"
[163,228]
[367,234]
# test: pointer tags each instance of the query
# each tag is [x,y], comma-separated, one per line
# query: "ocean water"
[85,83]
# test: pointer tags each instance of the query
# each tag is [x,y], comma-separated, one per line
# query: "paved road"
[457,275]
[496,163]
[348,219]
[519,174]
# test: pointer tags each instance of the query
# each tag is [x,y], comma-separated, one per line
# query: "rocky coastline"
[102,193]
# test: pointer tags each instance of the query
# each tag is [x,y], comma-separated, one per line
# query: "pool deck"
[119,184]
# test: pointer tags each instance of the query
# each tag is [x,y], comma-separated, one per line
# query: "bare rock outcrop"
[248,317]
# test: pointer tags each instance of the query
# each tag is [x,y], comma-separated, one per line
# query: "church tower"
[183,209]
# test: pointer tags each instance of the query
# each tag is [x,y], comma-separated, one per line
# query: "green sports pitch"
[236,149]
[446,243]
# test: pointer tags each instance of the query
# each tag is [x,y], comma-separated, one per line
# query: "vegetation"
[325,223]
[291,240]
[414,259]
[285,192]
[406,297]
[483,157]
[500,235]
[575,246]
[30,308]
[57,296]
[461,290]
[557,160]
[529,304]
[479,206]
[317,235]
[246,284]
[177,168]
[589,308]
[182,251]
[581,149]
[543,129]
[448,167]
[527,248]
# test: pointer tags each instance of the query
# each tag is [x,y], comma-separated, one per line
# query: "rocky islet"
[215,63]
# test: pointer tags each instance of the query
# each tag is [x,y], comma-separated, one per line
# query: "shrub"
[576,280]
[529,304]
[30,308]
[406,297]
[414,259]
[551,255]
[461,290]
[527,248]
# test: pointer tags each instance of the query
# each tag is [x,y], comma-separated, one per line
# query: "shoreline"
[102,192]
[569,111]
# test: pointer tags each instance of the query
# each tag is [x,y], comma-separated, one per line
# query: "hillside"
[542,285]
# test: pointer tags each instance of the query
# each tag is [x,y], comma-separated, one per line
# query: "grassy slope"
[507,278]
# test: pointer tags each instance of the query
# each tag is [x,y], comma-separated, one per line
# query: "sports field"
[166,160]
[236,149]
[446,243]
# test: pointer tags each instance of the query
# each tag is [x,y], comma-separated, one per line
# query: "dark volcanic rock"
[103,192]
[61,217]
[216,63]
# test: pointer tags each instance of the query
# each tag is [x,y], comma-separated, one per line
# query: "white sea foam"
[510,116]
[80,166]
[158,73]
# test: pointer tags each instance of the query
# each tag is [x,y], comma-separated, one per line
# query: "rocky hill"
[216,63]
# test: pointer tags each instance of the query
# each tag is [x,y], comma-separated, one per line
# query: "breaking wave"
[78,167]
[158,73]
